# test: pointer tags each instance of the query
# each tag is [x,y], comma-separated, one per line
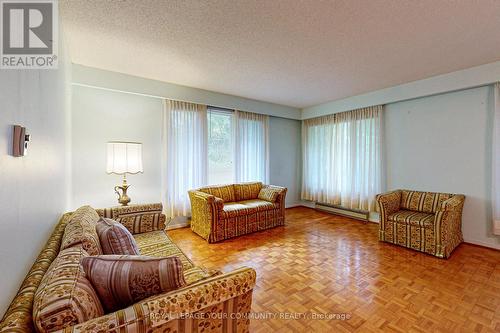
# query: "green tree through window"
[220,147]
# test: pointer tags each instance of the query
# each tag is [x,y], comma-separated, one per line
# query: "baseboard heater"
[361,215]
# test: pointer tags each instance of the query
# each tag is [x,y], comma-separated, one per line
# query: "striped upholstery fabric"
[245,207]
[233,209]
[82,230]
[247,191]
[423,221]
[137,218]
[205,210]
[198,273]
[206,292]
[217,304]
[65,297]
[413,218]
[216,221]
[260,205]
[115,238]
[123,280]
[158,244]
[224,192]
[427,202]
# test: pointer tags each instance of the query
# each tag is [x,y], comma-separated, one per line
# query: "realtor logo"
[29,34]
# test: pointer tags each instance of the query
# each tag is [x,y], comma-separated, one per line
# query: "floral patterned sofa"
[424,221]
[226,211]
[207,303]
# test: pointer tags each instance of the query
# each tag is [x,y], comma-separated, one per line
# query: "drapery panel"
[184,157]
[496,161]
[251,147]
[342,158]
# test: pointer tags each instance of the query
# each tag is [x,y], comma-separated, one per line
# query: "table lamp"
[123,158]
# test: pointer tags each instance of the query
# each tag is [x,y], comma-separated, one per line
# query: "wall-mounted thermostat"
[20,141]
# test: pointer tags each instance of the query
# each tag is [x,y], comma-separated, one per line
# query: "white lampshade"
[124,157]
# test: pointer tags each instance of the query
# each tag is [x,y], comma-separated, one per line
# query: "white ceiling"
[291,52]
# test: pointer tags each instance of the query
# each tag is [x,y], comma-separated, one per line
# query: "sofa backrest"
[65,296]
[427,202]
[247,191]
[19,315]
[137,219]
[81,230]
[225,192]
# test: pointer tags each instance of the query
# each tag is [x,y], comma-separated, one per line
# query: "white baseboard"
[303,203]
[177,226]
[293,204]
[482,243]
[496,228]
[178,222]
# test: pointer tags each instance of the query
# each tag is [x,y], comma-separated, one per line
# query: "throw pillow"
[115,238]
[268,194]
[121,281]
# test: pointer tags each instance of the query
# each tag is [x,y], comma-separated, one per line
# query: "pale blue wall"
[285,156]
[33,188]
[100,115]
[443,143]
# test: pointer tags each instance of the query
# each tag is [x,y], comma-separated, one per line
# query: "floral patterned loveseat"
[210,302]
[226,211]
[429,222]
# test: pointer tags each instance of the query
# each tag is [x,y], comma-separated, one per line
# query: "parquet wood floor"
[320,263]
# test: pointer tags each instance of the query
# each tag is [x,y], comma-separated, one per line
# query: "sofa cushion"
[115,238]
[233,209]
[247,191]
[81,229]
[198,273]
[123,280]
[427,202]
[258,204]
[225,192]
[245,207]
[158,244]
[413,218]
[65,297]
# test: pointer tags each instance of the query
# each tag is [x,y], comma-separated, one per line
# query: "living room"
[279,166]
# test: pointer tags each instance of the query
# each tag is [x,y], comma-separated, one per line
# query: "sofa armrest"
[137,218]
[205,210]
[388,203]
[174,308]
[456,202]
[448,225]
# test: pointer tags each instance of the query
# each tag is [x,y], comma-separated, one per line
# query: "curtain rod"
[220,108]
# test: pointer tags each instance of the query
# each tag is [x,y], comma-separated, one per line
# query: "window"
[220,146]
[342,158]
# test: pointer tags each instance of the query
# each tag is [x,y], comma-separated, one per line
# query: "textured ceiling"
[294,52]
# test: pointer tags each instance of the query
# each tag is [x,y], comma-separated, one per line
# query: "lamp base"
[123,198]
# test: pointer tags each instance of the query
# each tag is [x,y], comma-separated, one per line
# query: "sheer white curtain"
[184,139]
[251,147]
[496,161]
[342,162]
